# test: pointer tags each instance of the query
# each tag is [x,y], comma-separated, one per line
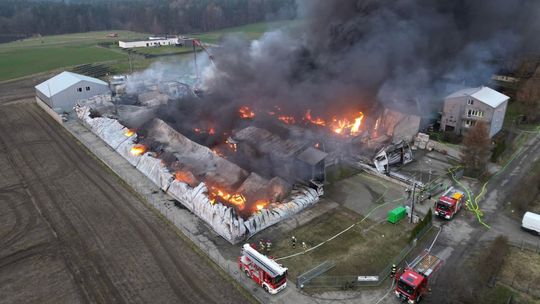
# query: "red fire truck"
[449,203]
[262,269]
[412,283]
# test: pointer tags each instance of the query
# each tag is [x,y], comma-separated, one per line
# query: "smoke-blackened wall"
[360,53]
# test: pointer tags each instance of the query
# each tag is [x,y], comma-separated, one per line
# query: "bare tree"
[476,149]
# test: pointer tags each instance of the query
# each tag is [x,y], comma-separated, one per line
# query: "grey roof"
[267,142]
[312,156]
[484,94]
[63,81]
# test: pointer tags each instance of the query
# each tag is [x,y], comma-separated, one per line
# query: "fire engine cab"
[412,284]
[449,203]
[262,269]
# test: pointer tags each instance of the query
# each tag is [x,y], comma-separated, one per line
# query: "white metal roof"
[484,94]
[63,81]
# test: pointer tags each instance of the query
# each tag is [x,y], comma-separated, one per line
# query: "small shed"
[65,89]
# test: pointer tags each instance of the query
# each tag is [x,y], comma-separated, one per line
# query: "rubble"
[393,154]
[223,219]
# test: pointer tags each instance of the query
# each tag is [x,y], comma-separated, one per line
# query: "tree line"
[26,17]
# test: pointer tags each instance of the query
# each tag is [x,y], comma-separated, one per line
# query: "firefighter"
[261,246]
[268,246]
[304,246]
[393,271]
[293,242]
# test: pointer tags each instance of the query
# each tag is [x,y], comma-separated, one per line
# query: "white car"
[531,222]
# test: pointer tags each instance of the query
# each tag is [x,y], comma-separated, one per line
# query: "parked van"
[531,222]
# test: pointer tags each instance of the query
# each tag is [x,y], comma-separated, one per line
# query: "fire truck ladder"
[426,264]
[269,266]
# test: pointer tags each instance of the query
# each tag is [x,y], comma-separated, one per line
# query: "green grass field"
[43,54]
[34,60]
[251,31]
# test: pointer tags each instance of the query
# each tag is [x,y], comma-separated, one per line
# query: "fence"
[314,278]
[525,245]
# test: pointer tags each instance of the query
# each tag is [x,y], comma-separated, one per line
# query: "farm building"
[65,89]
[150,42]
[465,108]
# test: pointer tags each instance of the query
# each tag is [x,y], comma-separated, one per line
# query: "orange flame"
[129,132]
[346,126]
[246,113]
[210,131]
[184,177]
[235,199]
[287,119]
[260,205]
[138,149]
[218,152]
[317,121]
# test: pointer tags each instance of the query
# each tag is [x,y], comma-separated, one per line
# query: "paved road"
[461,235]
[72,232]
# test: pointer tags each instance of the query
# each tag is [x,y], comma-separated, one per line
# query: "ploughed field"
[71,231]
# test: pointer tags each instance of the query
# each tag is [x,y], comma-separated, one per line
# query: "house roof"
[484,94]
[63,81]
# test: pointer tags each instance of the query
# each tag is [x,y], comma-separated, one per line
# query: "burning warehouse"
[234,202]
[292,160]
[277,111]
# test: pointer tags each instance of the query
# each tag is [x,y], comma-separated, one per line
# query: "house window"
[470,102]
[79,89]
[470,123]
[88,88]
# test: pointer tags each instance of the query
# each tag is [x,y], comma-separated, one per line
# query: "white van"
[531,222]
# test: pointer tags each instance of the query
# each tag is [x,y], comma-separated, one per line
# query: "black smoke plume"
[360,54]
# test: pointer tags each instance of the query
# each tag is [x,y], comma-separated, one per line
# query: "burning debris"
[234,214]
[349,82]
[393,154]
[138,150]
[246,113]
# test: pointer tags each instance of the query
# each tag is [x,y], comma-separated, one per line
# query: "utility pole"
[130,65]
[412,202]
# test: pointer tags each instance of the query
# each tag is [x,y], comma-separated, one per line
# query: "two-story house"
[465,108]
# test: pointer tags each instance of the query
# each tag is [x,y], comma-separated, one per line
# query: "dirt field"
[71,231]
[19,89]
[521,270]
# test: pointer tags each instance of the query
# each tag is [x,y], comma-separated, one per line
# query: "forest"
[21,18]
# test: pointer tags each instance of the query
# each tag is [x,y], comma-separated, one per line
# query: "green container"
[395,215]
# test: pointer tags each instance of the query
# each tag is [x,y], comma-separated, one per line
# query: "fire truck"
[449,203]
[262,269]
[412,282]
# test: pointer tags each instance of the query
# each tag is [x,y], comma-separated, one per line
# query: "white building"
[65,89]
[465,108]
[150,42]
